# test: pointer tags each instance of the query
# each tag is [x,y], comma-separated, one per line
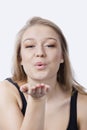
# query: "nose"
[40,52]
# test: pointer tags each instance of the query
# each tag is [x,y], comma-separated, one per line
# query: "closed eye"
[30,46]
[50,45]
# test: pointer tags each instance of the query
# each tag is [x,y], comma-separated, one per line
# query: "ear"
[62,60]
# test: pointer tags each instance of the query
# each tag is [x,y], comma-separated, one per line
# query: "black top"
[73,112]
[73,106]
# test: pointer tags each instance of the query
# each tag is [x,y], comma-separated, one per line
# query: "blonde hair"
[64,75]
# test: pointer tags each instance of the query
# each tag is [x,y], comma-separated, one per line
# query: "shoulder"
[82,100]
[5,89]
[82,110]
[8,93]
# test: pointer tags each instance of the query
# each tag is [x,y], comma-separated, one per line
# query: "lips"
[40,65]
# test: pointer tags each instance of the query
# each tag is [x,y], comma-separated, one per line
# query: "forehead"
[40,31]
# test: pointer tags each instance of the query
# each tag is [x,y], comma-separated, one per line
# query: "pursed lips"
[40,65]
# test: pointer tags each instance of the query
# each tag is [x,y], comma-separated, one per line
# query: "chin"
[40,77]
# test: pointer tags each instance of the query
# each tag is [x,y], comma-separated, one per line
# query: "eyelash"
[50,45]
[30,46]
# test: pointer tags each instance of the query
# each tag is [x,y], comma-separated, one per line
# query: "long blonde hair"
[64,75]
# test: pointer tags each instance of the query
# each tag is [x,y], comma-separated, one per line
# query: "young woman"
[42,93]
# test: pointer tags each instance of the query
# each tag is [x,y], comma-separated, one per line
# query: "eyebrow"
[51,38]
[48,38]
[27,39]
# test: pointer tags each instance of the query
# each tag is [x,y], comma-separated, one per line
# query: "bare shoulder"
[8,93]
[82,110]
[4,89]
[82,100]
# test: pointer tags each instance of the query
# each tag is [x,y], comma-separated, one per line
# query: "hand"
[37,91]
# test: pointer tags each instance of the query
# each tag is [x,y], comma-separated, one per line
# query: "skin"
[47,103]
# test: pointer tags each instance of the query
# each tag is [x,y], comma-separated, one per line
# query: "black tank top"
[72,125]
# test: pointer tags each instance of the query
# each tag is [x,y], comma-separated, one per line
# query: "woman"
[42,93]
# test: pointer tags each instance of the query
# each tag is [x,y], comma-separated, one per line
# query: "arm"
[35,112]
[34,116]
[12,118]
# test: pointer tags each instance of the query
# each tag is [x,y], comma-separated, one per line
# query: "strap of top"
[21,94]
[73,112]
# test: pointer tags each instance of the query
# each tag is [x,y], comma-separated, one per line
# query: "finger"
[24,88]
[38,89]
[45,88]
[30,91]
[33,90]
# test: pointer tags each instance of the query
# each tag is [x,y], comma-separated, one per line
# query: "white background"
[69,15]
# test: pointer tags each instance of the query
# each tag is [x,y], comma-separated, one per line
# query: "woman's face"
[41,52]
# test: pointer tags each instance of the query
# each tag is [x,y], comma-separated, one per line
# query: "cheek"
[24,58]
[27,67]
[58,58]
